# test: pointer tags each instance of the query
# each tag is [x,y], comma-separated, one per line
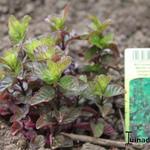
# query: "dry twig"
[100,141]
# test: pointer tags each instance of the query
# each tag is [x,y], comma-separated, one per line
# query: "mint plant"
[43,93]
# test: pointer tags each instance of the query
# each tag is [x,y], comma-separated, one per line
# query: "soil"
[130,25]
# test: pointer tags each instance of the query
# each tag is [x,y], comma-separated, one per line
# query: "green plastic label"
[137,97]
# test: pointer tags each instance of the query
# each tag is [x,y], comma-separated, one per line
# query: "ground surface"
[131,26]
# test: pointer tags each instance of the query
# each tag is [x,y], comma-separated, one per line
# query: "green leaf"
[106,40]
[43,46]
[70,85]
[105,109]
[5,83]
[48,74]
[91,52]
[2,74]
[97,25]
[51,72]
[68,82]
[113,90]
[83,78]
[56,22]
[17,29]
[97,128]
[100,41]
[64,63]
[45,94]
[95,39]
[94,68]
[100,84]
[10,59]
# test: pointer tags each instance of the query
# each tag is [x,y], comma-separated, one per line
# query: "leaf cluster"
[44,94]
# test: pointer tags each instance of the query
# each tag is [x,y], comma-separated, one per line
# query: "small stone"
[22,144]
[29,8]
[3,9]
[11,147]
[2,126]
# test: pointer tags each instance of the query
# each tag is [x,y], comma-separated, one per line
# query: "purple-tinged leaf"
[18,112]
[30,134]
[109,130]
[5,83]
[16,127]
[45,120]
[28,123]
[4,110]
[68,115]
[45,94]
[106,109]
[82,125]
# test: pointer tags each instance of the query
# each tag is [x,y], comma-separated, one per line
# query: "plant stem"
[21,86]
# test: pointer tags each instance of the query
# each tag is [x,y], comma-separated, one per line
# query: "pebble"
[11,147]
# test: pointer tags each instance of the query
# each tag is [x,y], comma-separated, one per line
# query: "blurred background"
[131,18]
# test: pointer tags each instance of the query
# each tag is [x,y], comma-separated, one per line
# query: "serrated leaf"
[72,115]
[68,82]
[100,41]
[83,78]
[10,59]
[96,23]
[95,40]
[51,72]
[45,120]
[95,68]
[54,71]
[45,94]
[99,26]
[113,90]
[106,40]
[70,85]
[105,109]
[45,42]
[48,75]
[18,112]
[88,93]
[17,29]
[97,128]
[101,82]
[64,63]
[5,83]
[41,71]
[91,52]
[67,115]
[16,127]
[56,22]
